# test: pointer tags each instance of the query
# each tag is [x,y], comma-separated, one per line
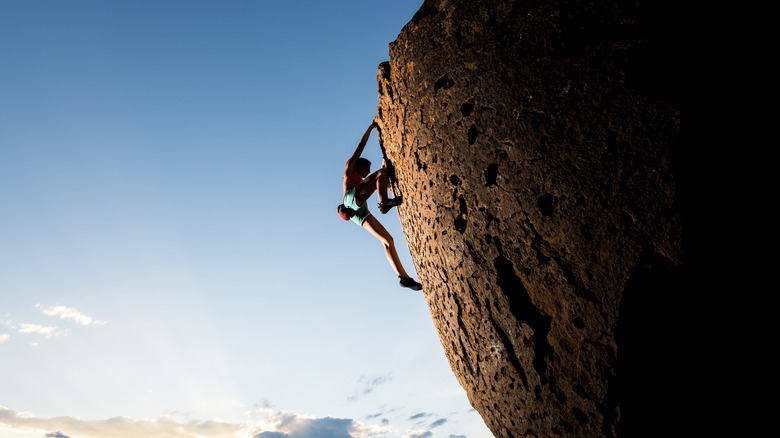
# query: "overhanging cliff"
[533,144]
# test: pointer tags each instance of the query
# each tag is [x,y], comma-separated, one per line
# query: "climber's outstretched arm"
[350,166]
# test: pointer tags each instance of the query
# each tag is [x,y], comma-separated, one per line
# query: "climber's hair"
[362,162]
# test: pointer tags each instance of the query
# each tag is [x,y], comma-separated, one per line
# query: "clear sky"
[171,262]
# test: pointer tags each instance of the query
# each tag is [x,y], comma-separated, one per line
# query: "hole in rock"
[466,109]
[547,204]
[443,82]
[491,173]
[473,133]
[461,221]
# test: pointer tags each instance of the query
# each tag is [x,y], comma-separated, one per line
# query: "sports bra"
[354,179]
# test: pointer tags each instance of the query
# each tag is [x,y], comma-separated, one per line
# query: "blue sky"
[171,263]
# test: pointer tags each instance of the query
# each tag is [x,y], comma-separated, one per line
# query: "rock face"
[533,143]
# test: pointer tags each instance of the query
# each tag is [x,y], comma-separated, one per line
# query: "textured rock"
[533,143]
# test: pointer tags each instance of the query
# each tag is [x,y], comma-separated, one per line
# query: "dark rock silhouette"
[536,147]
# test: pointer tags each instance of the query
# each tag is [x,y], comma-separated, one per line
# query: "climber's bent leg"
[372,183]
[385,203]
[381,184]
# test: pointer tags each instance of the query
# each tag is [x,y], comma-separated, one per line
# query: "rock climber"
[358,187]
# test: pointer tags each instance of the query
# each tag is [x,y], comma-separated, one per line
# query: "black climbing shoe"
[386,206]
[410,283]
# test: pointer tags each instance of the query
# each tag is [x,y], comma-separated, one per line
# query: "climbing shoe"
[384,207]
[410,283]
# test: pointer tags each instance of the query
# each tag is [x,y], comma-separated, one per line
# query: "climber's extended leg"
[379,231]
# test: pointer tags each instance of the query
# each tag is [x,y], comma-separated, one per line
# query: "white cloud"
[47,331]
[369,383]
[69,313]
[63,312]
[418,434]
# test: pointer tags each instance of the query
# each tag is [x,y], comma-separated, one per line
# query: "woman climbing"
[358,187]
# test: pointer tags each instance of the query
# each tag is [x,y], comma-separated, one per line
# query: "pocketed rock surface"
[533,146]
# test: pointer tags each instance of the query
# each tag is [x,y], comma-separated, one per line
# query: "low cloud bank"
[117,427]
[270,425]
